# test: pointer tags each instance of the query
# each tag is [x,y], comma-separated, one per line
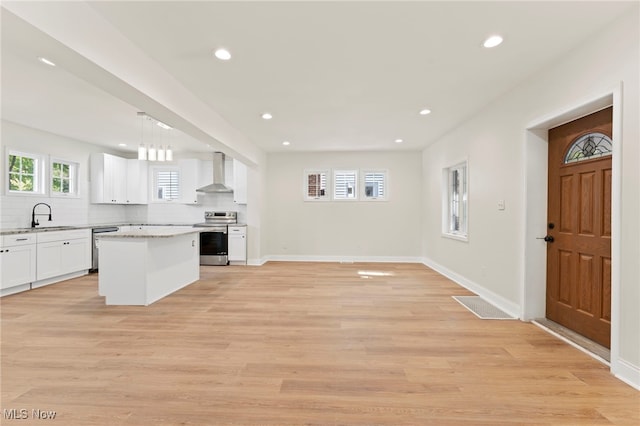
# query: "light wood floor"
[295,343]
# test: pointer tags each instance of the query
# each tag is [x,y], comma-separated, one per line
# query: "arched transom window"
[589,146]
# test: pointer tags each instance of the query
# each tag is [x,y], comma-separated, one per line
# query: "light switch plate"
[500,204]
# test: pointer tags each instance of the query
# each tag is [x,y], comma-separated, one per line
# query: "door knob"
[546,238]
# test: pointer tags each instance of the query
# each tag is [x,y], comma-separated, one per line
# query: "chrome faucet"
[34,222]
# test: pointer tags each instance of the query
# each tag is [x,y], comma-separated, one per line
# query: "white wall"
[16,210]
[343,230]
[495,143]
[257,211]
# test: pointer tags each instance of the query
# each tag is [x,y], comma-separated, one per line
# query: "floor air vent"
[481,308]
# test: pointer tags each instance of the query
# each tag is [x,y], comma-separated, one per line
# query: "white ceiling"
[335,75]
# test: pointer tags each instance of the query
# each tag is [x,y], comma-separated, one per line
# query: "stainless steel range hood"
[218,184]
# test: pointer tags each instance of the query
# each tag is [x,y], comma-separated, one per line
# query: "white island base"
[142,266]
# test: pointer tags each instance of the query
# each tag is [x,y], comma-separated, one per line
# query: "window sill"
[458,237]
[25,194]
[58,195]
[317,200]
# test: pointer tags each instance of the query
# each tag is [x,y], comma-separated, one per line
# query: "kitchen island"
[142,265]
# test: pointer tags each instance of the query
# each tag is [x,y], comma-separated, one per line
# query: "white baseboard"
[341,259]
[498,301]
[54,280]
[15,289]
[627,372]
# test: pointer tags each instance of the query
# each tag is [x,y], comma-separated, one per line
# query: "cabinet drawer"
[237,230]
[17,240]
[45,237]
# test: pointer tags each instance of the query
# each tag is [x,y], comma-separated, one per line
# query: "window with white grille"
[316,185]
[345,185]
[455,197]
[25,173]
[64,178]
[166,184]
[374,183]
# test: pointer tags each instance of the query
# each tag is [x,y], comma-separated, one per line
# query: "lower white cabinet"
[17,260]
[63,252]
[237,252]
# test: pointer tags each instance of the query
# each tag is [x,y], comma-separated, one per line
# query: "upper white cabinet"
[194,174]
[108,179]
[137,182]
[17,260]
[117,180]
[239,182]
[63,252]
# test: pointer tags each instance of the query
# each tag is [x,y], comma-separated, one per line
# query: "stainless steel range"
[214,241]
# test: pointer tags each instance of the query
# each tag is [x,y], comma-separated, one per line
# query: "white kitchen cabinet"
[137,179]
[63,252]
[17,262]
[193,175]
[108,179]
[237,248]
[239,182]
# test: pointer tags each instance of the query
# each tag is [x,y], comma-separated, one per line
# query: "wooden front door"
[579,226]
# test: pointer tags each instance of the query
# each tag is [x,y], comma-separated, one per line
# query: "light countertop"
[12,231]
[152,232]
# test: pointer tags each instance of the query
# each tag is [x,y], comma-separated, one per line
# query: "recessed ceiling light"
[267,116]
[425,111]
[222,54]
[122,144]
[492,41]
[399,141]
[46,61]
[286,143]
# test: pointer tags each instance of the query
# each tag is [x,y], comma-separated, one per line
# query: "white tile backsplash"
[16,212]
[173,213]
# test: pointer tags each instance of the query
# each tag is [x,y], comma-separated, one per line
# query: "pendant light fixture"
[152,153]
[147,151]
[142,148]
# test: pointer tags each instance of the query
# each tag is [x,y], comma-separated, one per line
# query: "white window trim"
[74,171]
[154,187]
[446,186]
[40,176]
[363,189]
[305,185]
[356,182]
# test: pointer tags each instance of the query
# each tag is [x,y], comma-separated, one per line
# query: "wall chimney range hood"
[218,176]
